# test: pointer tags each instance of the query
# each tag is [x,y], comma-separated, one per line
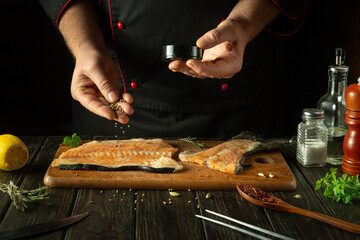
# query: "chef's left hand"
[224,49]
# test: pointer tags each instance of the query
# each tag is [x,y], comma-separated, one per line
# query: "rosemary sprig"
[21,196]
[191,140]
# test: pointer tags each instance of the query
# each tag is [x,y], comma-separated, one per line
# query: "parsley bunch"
[72,141]
[342,188]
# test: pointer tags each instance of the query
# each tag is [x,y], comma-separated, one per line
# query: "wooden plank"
[297,226]
[162,216]
[59,204]
[231,204]
[111,215]
[346,212]
[33,144]
[192,176]
[114,209]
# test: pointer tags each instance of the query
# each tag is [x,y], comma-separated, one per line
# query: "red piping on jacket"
[294,18]
[303,10]
[58,17]
[117,60]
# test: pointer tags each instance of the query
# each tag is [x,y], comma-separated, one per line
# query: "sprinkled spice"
[257,194]
[116,107]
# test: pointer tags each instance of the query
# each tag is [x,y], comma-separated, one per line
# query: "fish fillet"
[153,155]
[224,157]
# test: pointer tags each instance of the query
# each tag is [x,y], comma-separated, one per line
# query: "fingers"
[206,69]
[127,97]
[181,66]
[224,32]
[220,68]
[96,106]
[105,86]
[96,103]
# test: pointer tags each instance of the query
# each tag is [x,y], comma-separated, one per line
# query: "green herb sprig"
[72,141]
[21,196]
[344,188]
[191,140]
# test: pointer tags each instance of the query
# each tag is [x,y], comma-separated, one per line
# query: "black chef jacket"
[171,104]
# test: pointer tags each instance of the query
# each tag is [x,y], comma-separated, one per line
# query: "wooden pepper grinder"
[351,144]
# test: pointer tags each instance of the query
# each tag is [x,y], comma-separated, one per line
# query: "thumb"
[223,32]
[105,86]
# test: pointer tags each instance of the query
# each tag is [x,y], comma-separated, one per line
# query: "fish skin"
[267,145]
[122,168]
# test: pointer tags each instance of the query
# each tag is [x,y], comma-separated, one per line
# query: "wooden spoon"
[277,204]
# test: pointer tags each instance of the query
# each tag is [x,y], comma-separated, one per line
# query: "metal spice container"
[312,139]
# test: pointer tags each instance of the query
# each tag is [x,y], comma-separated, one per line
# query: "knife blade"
[45,227]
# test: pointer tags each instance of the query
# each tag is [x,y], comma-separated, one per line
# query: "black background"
[36,67]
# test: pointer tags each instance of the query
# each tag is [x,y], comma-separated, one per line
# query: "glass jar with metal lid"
[312,139]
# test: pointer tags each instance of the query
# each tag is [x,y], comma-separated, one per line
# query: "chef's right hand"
[95,82]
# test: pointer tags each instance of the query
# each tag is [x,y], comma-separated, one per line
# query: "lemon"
[13,153]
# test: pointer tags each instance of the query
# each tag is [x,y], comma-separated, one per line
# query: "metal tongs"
[255,235]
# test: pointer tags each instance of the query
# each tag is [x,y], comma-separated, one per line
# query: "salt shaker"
[312,139]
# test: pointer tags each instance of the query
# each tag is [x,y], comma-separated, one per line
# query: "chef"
[117,50]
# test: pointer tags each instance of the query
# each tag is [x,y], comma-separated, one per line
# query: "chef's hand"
[223,55]
[95,82]
[224,46]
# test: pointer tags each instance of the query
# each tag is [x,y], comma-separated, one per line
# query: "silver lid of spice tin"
[313,113]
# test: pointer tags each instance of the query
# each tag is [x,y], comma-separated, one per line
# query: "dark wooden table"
[142,214]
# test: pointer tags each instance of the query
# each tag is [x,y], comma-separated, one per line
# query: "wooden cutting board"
[192,176]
